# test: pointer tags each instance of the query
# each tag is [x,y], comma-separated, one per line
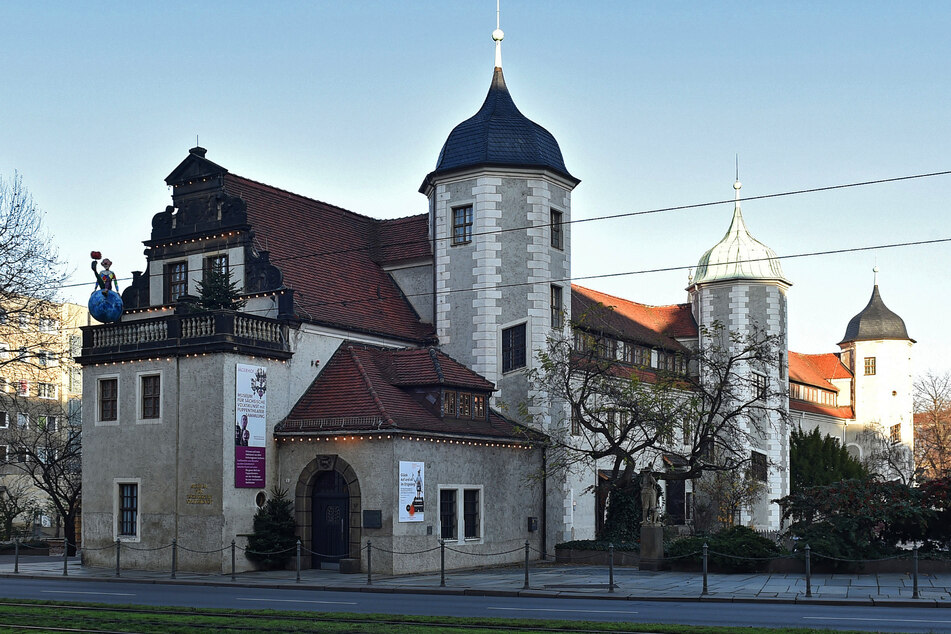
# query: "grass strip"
[148,619]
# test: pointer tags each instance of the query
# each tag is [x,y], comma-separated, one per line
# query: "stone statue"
[648,498]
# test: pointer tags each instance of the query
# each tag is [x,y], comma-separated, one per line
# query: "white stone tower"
[739,284]
[877,348]
[499,213]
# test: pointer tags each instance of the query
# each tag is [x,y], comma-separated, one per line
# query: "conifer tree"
[217,291]
[273,540]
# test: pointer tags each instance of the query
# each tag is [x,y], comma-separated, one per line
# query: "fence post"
[442,563]
[704,591]
[65,553]
[369,563]
[808,571]
[16,555]
[118,551]
[298,560]
[525,587]
[174,556]
[611,567]
[232,560]
[914,571]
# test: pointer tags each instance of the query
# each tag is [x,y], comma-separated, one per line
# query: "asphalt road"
[687,612]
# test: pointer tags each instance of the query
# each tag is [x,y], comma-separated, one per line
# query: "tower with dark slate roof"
[877,348]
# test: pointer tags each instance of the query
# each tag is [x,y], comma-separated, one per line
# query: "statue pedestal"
[652,547]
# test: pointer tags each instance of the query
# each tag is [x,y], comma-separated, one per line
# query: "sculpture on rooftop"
[105,305]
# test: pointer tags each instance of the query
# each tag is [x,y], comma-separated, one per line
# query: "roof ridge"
[403,218]
[630,301]
[370,388]
[436,365]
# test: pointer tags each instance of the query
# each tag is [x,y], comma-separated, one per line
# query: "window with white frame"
[46,422]
[4,420]
[4,452]
[23,388]
[557,307]
[460,513]
[108,399]
[127,510]
[150,396]
[23,420]
[46,358]
[759,386]
[462,225]
[47,390]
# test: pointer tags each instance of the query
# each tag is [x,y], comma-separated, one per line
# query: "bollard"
[298,560]
[611,568]
[369,563]
[118,551]
[442,563]
[808,571]
[704,591]
[16,556]
[525,587]
[65,555]
[232,560]
[914,571]
[174,556]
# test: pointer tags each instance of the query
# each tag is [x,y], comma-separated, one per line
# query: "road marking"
[296,601]
[850,618]
[111,594]
[558,610]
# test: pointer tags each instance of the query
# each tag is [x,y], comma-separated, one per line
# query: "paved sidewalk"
[555,580]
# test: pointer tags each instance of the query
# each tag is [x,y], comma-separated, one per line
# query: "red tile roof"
[815,408]
[652,325]
[363,389]
[331,258]
[817,369]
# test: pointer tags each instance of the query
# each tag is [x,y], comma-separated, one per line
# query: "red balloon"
[95,255]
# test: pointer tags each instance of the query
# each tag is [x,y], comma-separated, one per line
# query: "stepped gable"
[499,135]
[328,255]
[651,325]
[360,390]
[817,370]
[876,322]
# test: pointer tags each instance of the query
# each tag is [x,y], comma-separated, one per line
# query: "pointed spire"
[497,35]
[875,275]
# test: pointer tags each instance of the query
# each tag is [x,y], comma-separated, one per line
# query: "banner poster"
[250,426]
[412,486]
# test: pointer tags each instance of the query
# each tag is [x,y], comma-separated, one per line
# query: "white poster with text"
[412,486]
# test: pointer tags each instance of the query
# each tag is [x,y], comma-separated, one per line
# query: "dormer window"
[459,404]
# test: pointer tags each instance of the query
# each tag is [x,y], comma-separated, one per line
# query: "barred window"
[128,509]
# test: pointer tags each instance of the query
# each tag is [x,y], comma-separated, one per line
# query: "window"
[758,469]
[75,380]
[636,355]
[457,501]
[869,366]
[557,239]
[462,225]
[3,316]
[75,345]
[46,390]
[4,351]
[177,280]
[216,264]
[606,347]
[45,454]
[23,421]
[478,406]
[151,395]
[513,348]
[128,509]
[44,422]
[447,513]
[894,433]
[46,358]
[4,451]
[575,423]
[759,387]
[465,405]
[470,514]
[108,399]
[23,388]
[48,325]
[449,403]
[557,308]
[4,420]
[23,319]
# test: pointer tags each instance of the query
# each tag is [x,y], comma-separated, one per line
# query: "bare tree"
[622,418]
[884,457]
[31,276]
[17,498]
[933,425]
[44,445]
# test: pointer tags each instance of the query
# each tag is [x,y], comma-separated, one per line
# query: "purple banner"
[249,467]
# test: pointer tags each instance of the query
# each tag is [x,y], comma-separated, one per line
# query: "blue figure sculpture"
[105,305]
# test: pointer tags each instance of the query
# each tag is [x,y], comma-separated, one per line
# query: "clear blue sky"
[350,102]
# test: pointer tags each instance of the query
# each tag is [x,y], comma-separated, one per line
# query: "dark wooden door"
[331,519]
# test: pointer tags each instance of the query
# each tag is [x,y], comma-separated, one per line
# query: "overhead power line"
[631,214]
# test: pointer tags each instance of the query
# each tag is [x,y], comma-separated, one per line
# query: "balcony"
[180,335]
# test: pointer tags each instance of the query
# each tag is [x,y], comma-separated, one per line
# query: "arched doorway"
[330,522]
[326,480]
